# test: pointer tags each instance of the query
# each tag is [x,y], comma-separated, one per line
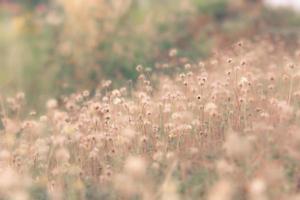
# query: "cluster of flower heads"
[225,128]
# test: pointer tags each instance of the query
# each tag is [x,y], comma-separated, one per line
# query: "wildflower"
[210,108]
[236,145]
[63,155]
[86,93]
[139,68]
[128,189]
[257,189]
[52,104]
[271,77]
[8,179]
[243,82]
[173,52]
[170,190]
[222,190]
[70,106]
[224,168]
[135,167]
[20,96]
[158,156]
[187,66]
[199,97]
[201,64]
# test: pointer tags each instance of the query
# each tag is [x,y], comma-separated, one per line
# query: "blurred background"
[54,47]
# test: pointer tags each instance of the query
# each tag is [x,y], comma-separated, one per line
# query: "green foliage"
[94,193]
[215,8]
[31,4]
[39,193]
[198,182]
[31,59]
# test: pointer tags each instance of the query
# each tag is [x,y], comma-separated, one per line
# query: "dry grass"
[225,128]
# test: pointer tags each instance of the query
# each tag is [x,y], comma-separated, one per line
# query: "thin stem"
[290,90]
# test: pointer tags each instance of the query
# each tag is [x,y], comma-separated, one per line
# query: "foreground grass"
[225,128]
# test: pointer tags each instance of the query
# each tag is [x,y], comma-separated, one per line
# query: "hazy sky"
[295,4]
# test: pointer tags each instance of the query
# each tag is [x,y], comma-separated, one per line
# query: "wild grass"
[224,128]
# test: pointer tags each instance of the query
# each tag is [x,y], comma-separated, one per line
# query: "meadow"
[122,100]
